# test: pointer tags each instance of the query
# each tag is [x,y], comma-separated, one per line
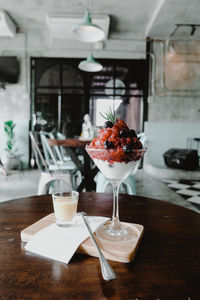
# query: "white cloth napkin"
[61,243]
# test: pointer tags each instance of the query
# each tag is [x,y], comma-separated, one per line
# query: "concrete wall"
[15,100]
[174,105]
[175,89]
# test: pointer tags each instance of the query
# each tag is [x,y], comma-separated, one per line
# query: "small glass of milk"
[65,207]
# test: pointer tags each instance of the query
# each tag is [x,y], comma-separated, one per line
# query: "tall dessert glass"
[115,166]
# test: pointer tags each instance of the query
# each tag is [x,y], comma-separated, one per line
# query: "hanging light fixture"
[90,64]
[88,32]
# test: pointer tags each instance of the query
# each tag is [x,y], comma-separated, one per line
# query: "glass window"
[62,94]
[102,105]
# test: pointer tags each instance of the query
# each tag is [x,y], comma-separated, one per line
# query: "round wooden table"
[166,266]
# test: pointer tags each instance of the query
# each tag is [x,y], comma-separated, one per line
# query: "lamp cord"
[89,5]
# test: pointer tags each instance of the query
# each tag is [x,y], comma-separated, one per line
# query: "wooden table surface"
[73,143]
[166,266]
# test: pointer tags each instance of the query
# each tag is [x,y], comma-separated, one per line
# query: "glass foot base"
[64,224]
[124,233]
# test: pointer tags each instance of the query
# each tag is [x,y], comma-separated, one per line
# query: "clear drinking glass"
[65,207]
[116,172]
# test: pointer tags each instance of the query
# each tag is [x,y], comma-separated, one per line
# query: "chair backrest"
[40,161]
[143,138]
[60,136]
[49,154]
[63,151]
[56,148]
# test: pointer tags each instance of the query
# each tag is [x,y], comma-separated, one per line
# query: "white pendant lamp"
[88,32]
[90,64]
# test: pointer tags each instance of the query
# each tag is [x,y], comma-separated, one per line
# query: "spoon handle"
[107,271]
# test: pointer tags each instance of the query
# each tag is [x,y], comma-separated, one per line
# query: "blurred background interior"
[145,66]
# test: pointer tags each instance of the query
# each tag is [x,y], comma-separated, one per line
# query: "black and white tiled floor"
[189,190]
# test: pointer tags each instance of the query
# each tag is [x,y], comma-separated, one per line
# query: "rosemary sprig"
[109,116]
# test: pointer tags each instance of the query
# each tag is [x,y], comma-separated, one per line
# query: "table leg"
[86,170]
[89,173]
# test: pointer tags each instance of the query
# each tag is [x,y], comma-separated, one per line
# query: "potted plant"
[11,160]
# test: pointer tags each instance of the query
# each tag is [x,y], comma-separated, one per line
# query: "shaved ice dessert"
[116,149]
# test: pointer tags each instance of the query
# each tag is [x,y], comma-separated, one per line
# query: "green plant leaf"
[9,128]
[8,123]
[9,145]
[109,116]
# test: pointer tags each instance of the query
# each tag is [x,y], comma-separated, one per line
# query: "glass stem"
[115,224]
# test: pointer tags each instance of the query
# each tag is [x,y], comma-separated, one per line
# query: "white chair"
[129,185]
[55,161]
[47,176]
[53,156]
[62,150]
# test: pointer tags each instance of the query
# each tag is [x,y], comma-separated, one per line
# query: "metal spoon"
[106,270]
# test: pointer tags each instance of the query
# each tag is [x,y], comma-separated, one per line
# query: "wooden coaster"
[118,251]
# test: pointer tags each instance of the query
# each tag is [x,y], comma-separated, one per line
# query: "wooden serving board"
[118,251]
